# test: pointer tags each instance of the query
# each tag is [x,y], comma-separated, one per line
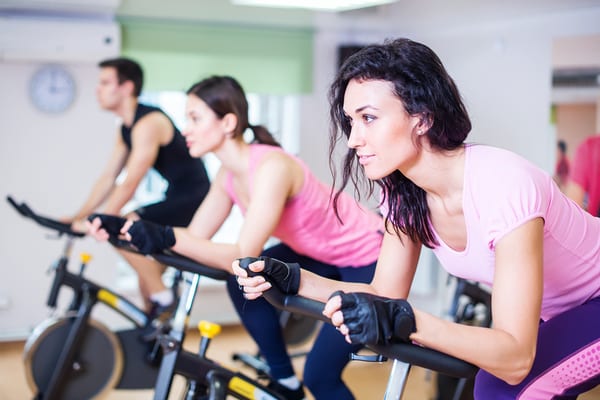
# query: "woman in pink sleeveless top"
[279,197]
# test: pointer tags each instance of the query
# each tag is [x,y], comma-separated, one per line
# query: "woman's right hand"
[253,286]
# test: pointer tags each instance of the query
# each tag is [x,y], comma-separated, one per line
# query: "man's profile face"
[108,91]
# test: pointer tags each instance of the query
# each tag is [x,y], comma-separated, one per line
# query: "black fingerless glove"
[377,320]
[286,276]
[110,223]
[151,238]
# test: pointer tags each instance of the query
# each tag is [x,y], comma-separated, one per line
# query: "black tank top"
[185,175]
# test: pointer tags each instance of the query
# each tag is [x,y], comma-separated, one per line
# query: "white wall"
[48,161]
[502,69]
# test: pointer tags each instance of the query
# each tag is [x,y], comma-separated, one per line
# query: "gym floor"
[367,380]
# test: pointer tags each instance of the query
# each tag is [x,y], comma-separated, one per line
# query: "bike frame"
[86,294]
[195,367]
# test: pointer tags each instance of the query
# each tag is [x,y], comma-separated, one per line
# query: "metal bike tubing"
[397,380]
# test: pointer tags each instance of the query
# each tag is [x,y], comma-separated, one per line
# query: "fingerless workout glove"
[377,320]
[286,276]
[110,223]
[151,238]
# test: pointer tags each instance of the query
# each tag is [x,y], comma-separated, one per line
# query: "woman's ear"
[229,123]
[424,124]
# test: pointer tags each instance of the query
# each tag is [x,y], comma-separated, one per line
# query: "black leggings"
[330,353]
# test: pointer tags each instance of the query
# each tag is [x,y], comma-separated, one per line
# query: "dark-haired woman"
[488,214]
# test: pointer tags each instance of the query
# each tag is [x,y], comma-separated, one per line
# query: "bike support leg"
[172,343]
[65,359]
[397,380]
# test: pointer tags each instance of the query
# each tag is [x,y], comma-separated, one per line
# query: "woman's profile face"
[203,131]
[382,132]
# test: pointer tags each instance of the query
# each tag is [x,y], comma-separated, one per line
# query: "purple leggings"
[567,360]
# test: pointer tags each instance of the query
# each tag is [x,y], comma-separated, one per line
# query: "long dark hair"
[426,90]
[224,95]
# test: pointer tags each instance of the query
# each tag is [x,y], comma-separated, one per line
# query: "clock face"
[52,89]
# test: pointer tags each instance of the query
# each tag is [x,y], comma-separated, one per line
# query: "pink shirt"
[503,191]
[310,227]
[586,171]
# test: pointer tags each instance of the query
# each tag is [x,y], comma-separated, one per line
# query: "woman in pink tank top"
[488,214]
[279,197]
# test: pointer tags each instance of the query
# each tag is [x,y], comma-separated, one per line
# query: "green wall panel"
[174,56]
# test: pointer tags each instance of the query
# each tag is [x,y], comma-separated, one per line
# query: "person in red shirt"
[584,180]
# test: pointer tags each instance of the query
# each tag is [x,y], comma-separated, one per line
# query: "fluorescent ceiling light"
[320,5]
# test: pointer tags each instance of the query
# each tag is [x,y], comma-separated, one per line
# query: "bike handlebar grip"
[427,358]
[179,261]
[58,226]
[16,206]
[289,302]
[174,260]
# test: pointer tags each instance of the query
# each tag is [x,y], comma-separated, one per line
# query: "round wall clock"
[52,88]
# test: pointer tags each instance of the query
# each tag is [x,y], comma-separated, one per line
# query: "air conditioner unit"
[53,39]
[96,7]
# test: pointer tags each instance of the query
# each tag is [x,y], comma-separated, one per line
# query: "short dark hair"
[127,70]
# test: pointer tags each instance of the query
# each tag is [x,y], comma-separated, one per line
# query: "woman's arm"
[276,179]
[105,182]
[393,275]
[506,350]
[214,209]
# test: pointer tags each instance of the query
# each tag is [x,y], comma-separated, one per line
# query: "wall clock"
[52,88]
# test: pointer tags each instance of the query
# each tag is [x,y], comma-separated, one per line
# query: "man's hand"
[103,226]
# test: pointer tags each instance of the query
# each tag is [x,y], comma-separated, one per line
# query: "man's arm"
[105,181]
[147,136]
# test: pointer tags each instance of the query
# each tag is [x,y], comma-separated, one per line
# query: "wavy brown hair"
[426,90]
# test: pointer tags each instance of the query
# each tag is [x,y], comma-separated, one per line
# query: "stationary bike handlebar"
[406,352]
[174,260]
[60,227]
[167,257]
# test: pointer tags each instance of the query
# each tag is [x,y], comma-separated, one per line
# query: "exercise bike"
[72,355]
[76,357]
[404,355]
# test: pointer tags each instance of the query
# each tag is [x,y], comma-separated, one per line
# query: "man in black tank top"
[147,139]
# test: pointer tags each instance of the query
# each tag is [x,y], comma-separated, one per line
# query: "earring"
[420,132]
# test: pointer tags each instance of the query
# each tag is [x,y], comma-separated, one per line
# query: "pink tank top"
[503,191]
[309,225]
